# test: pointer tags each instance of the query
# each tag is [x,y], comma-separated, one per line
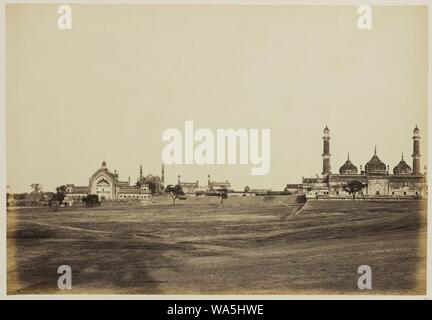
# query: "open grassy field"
[198,247]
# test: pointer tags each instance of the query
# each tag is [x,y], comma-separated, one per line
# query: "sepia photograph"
[216,149]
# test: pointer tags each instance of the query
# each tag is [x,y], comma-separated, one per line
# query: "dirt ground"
[204,248]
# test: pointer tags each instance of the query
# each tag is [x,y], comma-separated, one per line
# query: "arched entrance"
[103,189]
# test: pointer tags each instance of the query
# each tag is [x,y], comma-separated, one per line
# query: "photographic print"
[216,149]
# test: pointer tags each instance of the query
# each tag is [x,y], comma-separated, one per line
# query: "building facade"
[189,188]
[376,178]
[107,186]
[192,188]
[215,185]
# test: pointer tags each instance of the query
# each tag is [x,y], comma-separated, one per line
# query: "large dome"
[375,165]
[348,167]
[402,167]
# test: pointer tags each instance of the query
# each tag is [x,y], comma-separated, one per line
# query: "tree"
[20,196]
[152,184]
[36,187]
[246,189]
[36,194]
[59,195]
[9,197]
[222,194]
[152,187]
[91,200]
[353,187]
[176,192]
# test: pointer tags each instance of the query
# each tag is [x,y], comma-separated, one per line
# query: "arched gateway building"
[376,176]
[108,186]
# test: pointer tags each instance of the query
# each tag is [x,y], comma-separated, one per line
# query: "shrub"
[91,200]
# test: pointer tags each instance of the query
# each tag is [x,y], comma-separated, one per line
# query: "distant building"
[108,186]
[376,176]
[294,188]
[188,187]
[214,185]
[193,188]
[76,192]
[154,183]
[260,192]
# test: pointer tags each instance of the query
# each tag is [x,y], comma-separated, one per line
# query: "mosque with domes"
[376,177]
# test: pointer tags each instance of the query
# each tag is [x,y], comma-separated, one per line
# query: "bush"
[91,200]
[301,198]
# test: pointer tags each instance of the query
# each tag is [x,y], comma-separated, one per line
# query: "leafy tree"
[36,187]
[353,187]
[152,186]
[222,194]
[246,189]
[20,196]
[91,200]
[176,192]
[59,196]
[9,197]
[36,194]
[61,190]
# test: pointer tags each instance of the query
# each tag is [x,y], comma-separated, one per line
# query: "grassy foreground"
[204,248]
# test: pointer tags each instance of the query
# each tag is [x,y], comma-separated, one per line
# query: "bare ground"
[204,248]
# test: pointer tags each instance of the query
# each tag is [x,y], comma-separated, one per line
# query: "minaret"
[163,174]
[141,173]
[416,151]
[178,179]
[326,152]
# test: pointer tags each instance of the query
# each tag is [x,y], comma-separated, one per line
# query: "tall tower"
[141,173]
[416,151]
[326,152]
[163,174]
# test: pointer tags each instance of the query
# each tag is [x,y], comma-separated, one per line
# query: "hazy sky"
[108,88]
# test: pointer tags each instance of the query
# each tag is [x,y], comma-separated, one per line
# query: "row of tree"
[176,192]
